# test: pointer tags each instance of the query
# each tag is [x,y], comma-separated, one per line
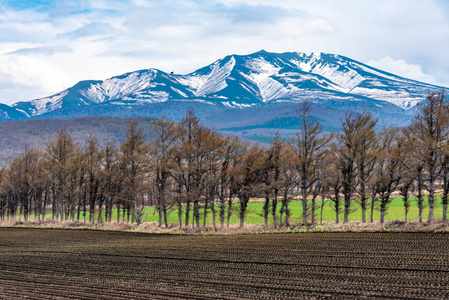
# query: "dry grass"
[152,227]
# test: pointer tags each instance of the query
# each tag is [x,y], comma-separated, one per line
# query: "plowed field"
[75,264]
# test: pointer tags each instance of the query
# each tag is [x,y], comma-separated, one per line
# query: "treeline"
[194,171]
[35,133]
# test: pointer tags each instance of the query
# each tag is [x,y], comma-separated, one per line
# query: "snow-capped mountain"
[258,80]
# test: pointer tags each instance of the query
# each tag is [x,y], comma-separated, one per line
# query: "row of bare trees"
[197,172]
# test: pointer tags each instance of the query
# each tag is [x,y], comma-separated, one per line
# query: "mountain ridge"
[245,82]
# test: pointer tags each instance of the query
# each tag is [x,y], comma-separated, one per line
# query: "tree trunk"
[444,198]
[382,210]
[346,209]
[373,201]
[78,211]
[133,212]
[160,213]
[205,213]
[187,213]
[222,211]
[274,207]
[221,197]
[420,202]
[61,209]
[165,217]
[118,212]
[178,197]
[84,205]
[266,207]
[336,212]
[313,210]
[229,209]
[110,209]
[44,205]
[196,213]
[212,209]
[126,210]
[321,209]
[286,209]
[445,212]
[406,214]
[243,205]
[72,208]
[363,206]
[431,199]
[180,213]
[281,215]
[304,206]
[161,201]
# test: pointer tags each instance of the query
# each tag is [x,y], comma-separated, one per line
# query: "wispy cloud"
[91,29]
[46,50]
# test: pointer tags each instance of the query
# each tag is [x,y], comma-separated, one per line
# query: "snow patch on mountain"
[402,99]
[261,75]
[233,104]
[216,81]
[117,87]
[43,105]
[344,77]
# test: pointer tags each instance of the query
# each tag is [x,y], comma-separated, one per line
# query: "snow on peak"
[47,104]
[346,78]
[261,75]
[213,82]
[118,87]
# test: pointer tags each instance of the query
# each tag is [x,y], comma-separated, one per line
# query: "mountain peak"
[243,81]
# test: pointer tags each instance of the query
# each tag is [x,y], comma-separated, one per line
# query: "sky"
[47,46]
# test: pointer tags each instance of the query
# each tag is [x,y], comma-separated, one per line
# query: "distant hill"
[36,133]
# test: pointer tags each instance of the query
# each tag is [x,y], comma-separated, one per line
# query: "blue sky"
[47,46]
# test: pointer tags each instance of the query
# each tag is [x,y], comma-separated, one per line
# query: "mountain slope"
[14,136]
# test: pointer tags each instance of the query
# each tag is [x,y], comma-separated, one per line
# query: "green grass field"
[395,211]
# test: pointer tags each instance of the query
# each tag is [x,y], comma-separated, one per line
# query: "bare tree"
[347,153]
[250,178]
[287,181]
[427,131]
[309,145]
[162,161]
[110,181]
[232,149]
[271,178]
[388,172]
[60,155]
[366,144]
[24,179]
[334,181]
[93,162]
[133,163]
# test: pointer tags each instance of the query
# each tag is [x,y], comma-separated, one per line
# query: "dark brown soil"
[77,264]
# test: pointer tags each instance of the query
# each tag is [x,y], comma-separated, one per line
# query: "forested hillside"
[14,136]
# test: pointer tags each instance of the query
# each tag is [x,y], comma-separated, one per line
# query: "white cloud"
[402,68]
[35,73]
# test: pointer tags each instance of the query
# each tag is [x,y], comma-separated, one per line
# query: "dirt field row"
[77,264]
